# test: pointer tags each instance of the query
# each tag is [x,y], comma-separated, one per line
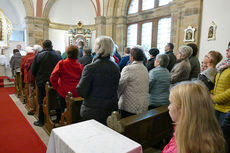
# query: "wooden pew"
[147,128]
[49,103]
[72,113]
[21,88]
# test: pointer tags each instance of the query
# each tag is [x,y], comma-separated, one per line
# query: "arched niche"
[47,8]
[117,7]
[15,12]
[28,7]
[71,12]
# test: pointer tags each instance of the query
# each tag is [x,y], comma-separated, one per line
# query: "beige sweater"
[133,88]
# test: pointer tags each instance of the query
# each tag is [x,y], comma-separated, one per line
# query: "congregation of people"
[198,95]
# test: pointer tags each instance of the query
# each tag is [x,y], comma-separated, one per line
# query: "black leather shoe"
[37,123]
[30,113]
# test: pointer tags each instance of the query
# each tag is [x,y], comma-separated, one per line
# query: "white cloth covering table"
[90,137]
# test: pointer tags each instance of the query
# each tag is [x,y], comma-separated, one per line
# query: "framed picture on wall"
[212,31]
[189,34]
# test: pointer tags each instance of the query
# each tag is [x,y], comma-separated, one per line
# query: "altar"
[90,137]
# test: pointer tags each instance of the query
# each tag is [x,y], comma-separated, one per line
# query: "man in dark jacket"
[41,68]
[195,64]
[172,58]
[86,58]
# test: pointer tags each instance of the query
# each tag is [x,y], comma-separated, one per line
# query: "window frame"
[156,5]
[154,29]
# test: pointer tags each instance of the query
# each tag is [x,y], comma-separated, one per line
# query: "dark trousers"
[62,104]
[98,114]
[125,113]
[41,96]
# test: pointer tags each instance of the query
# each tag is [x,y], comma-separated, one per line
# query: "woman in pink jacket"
[65,77]
[196,127]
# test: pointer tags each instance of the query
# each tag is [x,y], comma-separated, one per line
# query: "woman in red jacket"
[65,77]
[196,127]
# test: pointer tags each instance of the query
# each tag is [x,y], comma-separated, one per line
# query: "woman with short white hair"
[182,68]
[99,83]
[159,82]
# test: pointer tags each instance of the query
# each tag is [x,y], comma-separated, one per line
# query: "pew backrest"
[72,113]
[49,103]
[147,128]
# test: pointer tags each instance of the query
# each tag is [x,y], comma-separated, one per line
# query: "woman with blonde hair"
[197,129]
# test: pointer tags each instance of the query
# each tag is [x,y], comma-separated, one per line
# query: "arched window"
[142,5]
[147,28]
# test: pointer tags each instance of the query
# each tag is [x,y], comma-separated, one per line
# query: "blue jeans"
[220,116]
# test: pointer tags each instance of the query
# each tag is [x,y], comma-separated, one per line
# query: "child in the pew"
[196,127]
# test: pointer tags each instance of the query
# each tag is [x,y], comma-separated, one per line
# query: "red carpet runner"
[16,134]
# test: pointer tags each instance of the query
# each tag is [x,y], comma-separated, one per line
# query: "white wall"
[217,11]
[14,11]
[58,39]
[72,11]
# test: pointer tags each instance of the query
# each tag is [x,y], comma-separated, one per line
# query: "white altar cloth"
[90,137]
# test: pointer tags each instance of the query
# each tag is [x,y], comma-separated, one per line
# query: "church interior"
[128,26]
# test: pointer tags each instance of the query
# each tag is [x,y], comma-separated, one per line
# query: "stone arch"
[117,7]
[28,7]
[47,8]
[110,8]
